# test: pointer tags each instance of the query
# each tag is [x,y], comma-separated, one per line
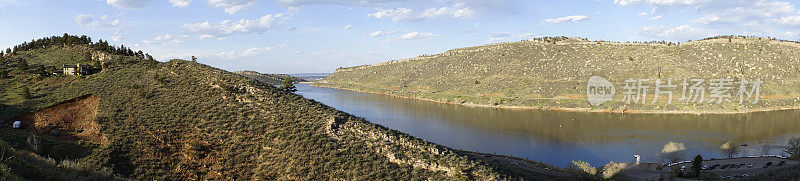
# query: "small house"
[77,69]
[17,124]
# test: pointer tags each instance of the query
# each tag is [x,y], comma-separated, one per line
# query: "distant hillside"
[272,79]
[551,73]
[311,76]
[181,120]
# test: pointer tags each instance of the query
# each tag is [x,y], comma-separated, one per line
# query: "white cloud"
[677,33]
[226,28]
[655,18]
[367,3]
[231,6]
[658,2]
[565,19]
[789,20]
[180,3]
[4,3]
[116,38]
[383,33]
[87,20]
[790,35]
[412,36]
[84,20]
[458,10]
[244,53]
[753,13]
[348,26]
[642,14]
[128,4]
[497,36]
[165,40]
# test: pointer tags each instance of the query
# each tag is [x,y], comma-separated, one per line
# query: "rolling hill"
[551,73]
[138,118]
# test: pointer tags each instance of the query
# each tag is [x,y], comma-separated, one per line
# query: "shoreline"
[587,110]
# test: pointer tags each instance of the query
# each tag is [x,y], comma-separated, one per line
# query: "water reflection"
[559,137]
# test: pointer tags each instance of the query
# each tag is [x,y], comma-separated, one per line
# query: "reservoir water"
[556,137]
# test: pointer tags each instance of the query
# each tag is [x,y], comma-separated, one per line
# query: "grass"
[552,74]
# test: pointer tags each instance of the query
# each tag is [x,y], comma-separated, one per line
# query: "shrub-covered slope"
[182,120]
[272,79]
[551,73]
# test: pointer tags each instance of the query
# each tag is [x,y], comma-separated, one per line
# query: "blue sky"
[294,36]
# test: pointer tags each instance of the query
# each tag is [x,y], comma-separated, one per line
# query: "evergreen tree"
[3,74]
[22,65]
[288,85]
[697,164]
[194,59]
[25,93]
[98,65]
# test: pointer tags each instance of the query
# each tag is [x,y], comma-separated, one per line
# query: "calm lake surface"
[556,137]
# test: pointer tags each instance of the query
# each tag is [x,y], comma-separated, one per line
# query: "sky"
[303,36]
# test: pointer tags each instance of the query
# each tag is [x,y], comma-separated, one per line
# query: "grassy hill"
[272,79]
[181,120]
[551,73]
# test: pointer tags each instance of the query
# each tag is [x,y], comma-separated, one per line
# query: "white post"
[637,158]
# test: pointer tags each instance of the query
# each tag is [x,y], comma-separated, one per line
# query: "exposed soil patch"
[71,120]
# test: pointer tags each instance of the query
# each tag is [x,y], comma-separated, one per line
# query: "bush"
[793,148]
[612,170]
[673,152]
[730,149]
[583,169]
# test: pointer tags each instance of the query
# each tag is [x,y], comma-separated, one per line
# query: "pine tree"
[194,59]
[22,65]
[3,74]
[25,93]
[697,164]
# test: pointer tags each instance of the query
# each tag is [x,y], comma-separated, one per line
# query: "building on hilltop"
[77,69]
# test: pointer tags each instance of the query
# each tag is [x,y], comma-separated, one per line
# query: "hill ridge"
[521,74]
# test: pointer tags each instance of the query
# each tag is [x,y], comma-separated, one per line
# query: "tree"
[729,149]
[673,152]
[194,59]
[697,164]
[98,66]
[25,93]
[288,85]
[793,148]
[148,57]
[22,65]
[3,74]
